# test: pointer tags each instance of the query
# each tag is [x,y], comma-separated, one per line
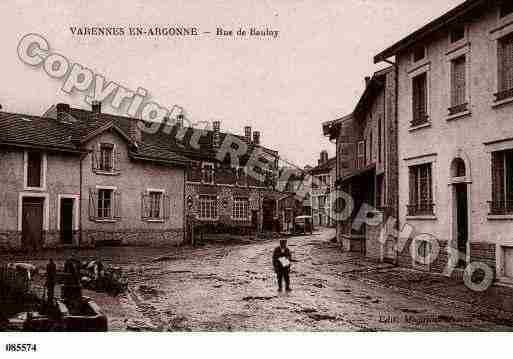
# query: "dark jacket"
[277,254]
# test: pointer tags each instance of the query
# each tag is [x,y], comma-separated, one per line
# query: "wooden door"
[67,220]
[462,222]
[32,223]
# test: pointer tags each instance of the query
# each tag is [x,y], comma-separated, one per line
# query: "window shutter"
[93,201]
[508,174]
[412,186]
[506,63]
[144,205]
[94,160]
[458,81]
[497,178]
[117,204]
[166,203]
[116,160]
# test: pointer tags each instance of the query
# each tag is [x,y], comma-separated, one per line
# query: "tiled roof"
[168,139]
[169,144]
[48,132]
[27,130]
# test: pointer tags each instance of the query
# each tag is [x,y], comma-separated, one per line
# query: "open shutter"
[166,204]
[93,201]
[116,160]
[117,204]
[144,205]
[412,185]
[497,179]
[94,160]
[508,174]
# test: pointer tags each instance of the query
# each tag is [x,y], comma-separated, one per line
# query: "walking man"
[51,273]
[281,263]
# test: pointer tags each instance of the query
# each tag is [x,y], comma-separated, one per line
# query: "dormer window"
[457,33]
[506,8]
[105,159]
[207,172]
[419,53]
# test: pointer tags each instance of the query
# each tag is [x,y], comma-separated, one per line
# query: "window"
[457,33]
[458,85]
[104,204]
[207,207]
[34,169]
[155,205]
[240,208]
[502,182]
[506,8]
[505,61]
[419,100]
[322,203]
[207,172]
[419,53]
[106,156]
[421,194]
[104,159]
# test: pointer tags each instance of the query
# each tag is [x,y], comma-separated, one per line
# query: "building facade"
[455,104]
[366,167]
[226,195]
[84,178]
[322,179]
[76,177]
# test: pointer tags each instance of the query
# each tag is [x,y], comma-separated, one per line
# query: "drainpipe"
[83,155]
[396,124]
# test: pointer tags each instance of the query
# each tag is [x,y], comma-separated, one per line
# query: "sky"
[285,87]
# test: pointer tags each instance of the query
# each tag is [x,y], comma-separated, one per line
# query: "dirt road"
[233,288]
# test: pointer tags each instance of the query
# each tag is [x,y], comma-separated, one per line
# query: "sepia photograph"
[336,169]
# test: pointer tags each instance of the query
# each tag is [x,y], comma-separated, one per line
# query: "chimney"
[62,111]
[247,133]
[96,107]
[256,137]
[134,132]
[324,157]
[216,137]
[367,80]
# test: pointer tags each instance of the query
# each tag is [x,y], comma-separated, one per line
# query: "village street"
[231,288]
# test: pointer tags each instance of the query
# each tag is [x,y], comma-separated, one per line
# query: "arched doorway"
[460,182]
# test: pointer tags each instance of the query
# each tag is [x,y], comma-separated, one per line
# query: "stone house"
[222,192]
[83,178]
[367,166]
[455,104]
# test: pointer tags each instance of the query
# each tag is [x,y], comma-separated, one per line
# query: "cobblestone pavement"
[231,288]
